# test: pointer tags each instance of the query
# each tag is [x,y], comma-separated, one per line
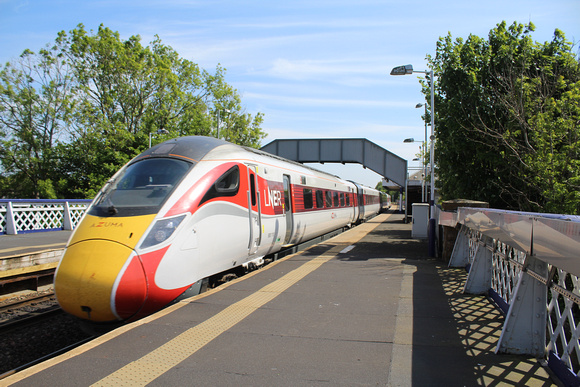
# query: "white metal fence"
[28,215]
[529,264]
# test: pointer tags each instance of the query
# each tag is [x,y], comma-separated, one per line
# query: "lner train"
[187,209]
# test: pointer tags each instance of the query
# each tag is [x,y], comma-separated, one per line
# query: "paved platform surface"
[34,242]
[364,308]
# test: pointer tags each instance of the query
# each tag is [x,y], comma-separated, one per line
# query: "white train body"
[187,209]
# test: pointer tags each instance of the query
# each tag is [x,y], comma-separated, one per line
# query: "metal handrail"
[529,263]
[30,215]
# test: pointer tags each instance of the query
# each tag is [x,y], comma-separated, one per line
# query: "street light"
[159,131]
[420,105]
[405,70]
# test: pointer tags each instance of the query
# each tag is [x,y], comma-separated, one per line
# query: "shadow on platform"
[454,335]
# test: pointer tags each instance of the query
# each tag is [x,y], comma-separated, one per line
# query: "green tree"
[131,92]
[507,119]
[36,102]
[71,115]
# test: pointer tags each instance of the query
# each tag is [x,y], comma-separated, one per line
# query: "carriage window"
[253,188]
[335,197]
[348,199]
[342,199]
[307,193]
[328,199]
[319,199]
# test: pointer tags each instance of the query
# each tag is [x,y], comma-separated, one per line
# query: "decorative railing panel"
[563,319]
[29,215]
[507,264]
[529,264]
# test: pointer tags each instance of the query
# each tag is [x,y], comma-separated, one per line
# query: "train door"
[254,210]
[361,203]
[288,209]
[352,196]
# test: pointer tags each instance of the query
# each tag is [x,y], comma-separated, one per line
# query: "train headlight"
[161,231]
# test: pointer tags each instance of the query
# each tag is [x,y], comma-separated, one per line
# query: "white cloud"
[305,69]
[281,99]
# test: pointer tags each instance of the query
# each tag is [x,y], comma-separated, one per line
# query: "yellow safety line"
[164,358]
[156,363]
[28,269]
[62,244]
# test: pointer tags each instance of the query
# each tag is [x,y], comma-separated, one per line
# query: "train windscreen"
[141,188]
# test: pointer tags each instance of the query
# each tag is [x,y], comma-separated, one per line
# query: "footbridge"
[343,150]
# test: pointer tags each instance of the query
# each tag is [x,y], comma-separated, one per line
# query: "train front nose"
[86,282]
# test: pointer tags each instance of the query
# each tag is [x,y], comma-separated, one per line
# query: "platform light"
[402,70]
[424,196]
[406,70]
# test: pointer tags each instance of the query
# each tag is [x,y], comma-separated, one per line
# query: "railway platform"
[28,261]
[367,307]
[32,243]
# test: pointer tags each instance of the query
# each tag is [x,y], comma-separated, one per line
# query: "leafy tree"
[507,120]
[71,115]
[36,101]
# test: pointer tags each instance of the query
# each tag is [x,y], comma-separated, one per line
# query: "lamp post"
[424,199]
[406,70]
[159,131]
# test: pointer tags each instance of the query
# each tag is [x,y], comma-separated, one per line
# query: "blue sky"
[315,68]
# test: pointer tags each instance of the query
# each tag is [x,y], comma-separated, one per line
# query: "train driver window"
[140,188]
[319,199]
[227,185]
[307,193]
[328,199]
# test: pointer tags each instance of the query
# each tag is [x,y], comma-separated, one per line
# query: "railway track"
[33,330]
[29,320]
[27,301]
[22,311]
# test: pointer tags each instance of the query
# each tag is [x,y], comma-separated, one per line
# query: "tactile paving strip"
[154,364]
[161,360]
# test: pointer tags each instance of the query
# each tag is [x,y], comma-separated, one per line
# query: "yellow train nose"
[86,277]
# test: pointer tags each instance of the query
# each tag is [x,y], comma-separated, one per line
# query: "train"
[189,208]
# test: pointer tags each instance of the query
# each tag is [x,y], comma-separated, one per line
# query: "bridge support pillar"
[67,220]
[524,330]
[10,221]
[460,253]
[479,277]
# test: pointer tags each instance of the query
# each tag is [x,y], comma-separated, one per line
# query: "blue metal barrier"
[529,264]
[32,215]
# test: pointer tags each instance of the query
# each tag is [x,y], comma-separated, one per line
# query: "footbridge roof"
[342,150]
